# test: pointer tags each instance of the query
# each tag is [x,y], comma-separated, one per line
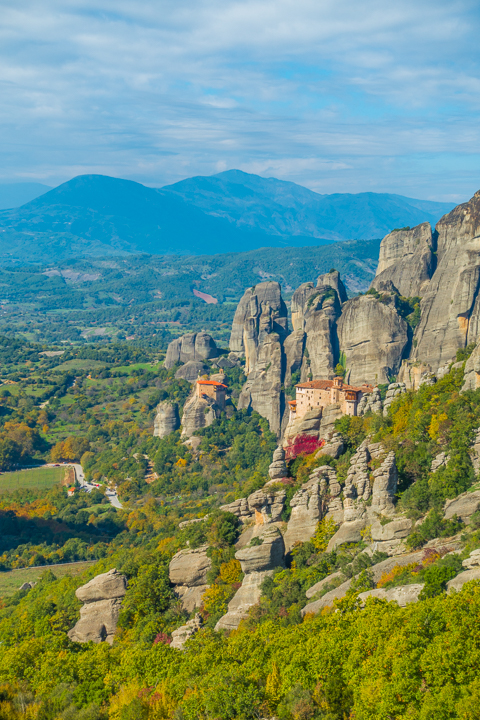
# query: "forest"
[95,405]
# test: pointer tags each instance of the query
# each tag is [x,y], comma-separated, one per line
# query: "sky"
[336,95]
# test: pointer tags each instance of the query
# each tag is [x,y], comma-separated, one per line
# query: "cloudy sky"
[337,95]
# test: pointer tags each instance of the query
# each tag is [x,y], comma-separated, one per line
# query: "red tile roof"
[211,382]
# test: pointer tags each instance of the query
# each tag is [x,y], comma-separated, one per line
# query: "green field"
[11,581]
[33,478]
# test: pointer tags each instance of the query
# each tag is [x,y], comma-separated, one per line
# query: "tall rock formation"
[407,260]
[194,346]
[99,615]
[258,332]
[374,338]
[450,308]
[188,573]
[167,419]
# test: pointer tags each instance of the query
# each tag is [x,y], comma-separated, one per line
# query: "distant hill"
[96,215]
[13,195]
[282,208]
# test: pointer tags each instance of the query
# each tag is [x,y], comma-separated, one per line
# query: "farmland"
[40,478]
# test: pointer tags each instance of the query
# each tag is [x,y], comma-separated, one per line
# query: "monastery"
[216,391]
[319,393]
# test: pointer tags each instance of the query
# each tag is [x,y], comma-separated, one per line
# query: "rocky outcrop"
[450,307]
[394,390]
[463,506]
[336,578]
[323,308]
[413,374]
[194,346]
[99,615]
[471,379]
[258,562]
[188,573]
[185,632]
[439,461]
[198,412]
[407,260]
[459,581]
[192,370]
[261,507]
[385,486]
[167,419]
[333,447]
[374,339]
[371,402]
[473,560]
[278,469]
[402,594]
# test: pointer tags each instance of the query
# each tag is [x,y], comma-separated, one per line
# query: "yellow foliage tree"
[231,571]
[326,529]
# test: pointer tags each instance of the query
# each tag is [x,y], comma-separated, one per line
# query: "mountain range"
[96,215]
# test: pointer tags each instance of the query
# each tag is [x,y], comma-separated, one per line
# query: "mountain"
[282,208]
[96,215]
[13,195]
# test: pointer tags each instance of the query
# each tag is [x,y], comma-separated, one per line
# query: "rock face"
[323,308]
[198,412]
[406,259]
[333,448]
[185,632]
[374,339]
[402,594]
[99,615]
[261,507]
[473,560]
[194,346]
[191,371]
[372,402]
[188,573]
[385,486]
[472,371]
[462,506]
[278,469]
[394,390]
[258,562]
[167,419]
[458,582]
[450,308]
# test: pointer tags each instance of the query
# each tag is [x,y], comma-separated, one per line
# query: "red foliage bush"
[162,638]
[303,445]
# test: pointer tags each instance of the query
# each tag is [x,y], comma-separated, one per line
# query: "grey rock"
[318,587]
[333,448]
[98,617]
[349,532]
[406,259]
[450,307]
[370,402]
[458,582]
[240,508]
[462,506]
[278,468]
[266,506]
[385,486]
[247,596]
[399,528]
[267,556]
[471,380]
[190,567]
[328,599]
[191,597]
[308,507]
[295,360]
[473,560]
[320,315]
[393,391]
[192,370]
[167,419]
[403,594]
[25,586]
[198,412]
[106,586]
[185,632]
[475,452]
[439,461]
[373,337]
[194,346]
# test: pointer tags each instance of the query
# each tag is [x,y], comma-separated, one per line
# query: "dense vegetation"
[95,405]
[149,299]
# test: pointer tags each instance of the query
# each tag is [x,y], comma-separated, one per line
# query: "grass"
[12,580]
[42,478]
[81,365]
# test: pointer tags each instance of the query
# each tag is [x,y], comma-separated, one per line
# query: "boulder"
[98,617]
[190,567]
[403,594]
[106,586]
[266,556]
[247,596]
[198,412]
[348,532]
[267,506]
[194,346]
[167,419]
[385,486]
[473,560]
[398,528]
[185,632]
[450,307]
[278,469]
[407,260]
[191,597]
[333,448]
[191,371]
[370,402]
[462,506]
[374,338]
[318,587]
[458,582]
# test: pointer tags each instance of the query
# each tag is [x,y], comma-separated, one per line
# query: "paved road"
[111,495]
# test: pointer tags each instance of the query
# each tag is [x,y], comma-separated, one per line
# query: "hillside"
[13,195]
[151,297]
[95,215]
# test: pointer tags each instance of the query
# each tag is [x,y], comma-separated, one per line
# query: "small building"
[214,390]
[318,394]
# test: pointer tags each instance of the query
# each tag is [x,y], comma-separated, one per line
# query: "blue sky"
[337,95]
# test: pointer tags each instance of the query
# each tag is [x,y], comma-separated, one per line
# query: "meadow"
[40,478]
[12,580]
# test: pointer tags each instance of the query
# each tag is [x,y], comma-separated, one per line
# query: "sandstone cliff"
[167,419]
[407,260]
[194,346]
